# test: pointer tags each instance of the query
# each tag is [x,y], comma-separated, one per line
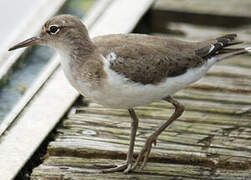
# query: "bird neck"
[77,50]
[81,49]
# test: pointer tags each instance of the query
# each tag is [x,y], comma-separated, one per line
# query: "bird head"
[60,32]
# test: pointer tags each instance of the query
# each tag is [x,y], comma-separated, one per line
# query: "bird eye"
[54,29]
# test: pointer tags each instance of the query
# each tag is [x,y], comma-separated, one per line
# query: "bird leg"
[127,166]
[144,153]
[134,127]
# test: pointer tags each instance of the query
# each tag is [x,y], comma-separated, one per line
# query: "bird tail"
[220,48]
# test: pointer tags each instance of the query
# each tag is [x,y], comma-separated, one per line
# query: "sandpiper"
[128,70]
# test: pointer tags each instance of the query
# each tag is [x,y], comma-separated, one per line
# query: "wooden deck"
[212,140]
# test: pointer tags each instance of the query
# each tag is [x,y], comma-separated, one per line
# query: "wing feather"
[151,59]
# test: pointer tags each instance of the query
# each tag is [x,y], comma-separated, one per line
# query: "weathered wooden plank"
[164,152]
[81,168]
[231,71]
[211,105]
[205,95]
[243,61]
[208,106]
[180,132]
[183,144]
[190,116]
[223,7]
[224,13]
[225,84]
[77,122]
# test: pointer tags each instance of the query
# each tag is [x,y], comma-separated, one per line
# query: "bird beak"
[28,42]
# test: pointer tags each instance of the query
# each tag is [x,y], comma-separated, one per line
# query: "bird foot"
[117,168]
[130,167]
[109,168]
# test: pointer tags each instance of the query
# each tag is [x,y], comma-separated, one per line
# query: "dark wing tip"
[218,47]
[231,37]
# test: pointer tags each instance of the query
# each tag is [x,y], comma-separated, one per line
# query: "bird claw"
[129,167]
[115,168]
[125,167]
